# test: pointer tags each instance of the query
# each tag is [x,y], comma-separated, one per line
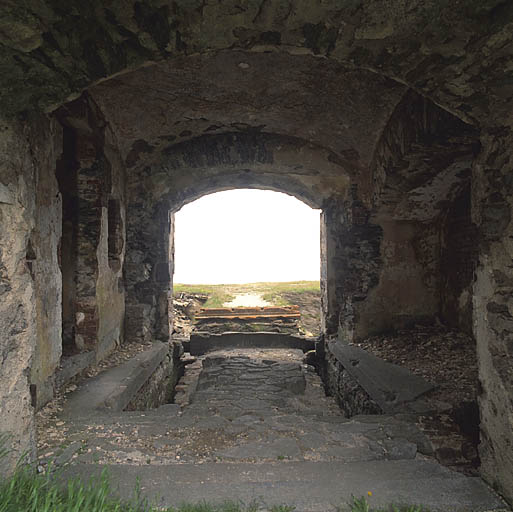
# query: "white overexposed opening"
[246,236]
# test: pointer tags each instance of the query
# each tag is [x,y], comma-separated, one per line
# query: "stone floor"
[254,413]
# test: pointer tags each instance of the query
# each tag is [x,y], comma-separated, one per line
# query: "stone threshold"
[203,342]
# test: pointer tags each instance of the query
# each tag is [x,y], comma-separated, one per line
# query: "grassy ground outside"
[274,293]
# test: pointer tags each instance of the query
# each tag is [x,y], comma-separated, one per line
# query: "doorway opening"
[247,252]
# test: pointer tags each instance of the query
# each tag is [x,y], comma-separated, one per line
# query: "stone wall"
[28,284]
[351,266]
[44,246]
[93,187]
[492,212]
[348,393]
[420,196]
[407,291]
[149,270]
[40,179]
[394,245]
[458,259]
[160,387]
[110,252]
[66,173]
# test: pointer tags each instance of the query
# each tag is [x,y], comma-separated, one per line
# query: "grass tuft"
[25,490]
[29,491]
[362,505]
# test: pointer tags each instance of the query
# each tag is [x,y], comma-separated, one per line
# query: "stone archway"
[263,161]
[457,58]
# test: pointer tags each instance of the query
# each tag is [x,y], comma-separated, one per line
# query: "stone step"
[258,435]
[278,437]
[309,486]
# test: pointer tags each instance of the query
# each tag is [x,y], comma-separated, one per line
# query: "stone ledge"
[389,385]
[201,343]
[113,389]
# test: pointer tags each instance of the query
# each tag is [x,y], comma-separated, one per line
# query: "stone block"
[201,343]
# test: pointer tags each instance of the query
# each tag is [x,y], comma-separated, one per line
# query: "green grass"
[28,491]
[217,294]
[217,300]
[271,292]
[362,505]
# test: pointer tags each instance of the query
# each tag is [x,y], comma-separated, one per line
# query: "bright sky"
[246,236]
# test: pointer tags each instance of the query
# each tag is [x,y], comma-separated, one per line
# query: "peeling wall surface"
[393,118]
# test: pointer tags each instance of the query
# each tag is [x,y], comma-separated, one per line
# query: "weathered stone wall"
[44,243]
[492,212]
[348,393]
[94,289]
[110,291]
[351,266]
[66,173]
[420,182]
[28,274]
[375,274]
[458,259]
[407,291]
[160,387]
[149,270]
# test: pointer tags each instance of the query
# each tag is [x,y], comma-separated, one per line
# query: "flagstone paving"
[254,413]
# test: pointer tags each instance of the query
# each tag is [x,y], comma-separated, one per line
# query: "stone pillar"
[18,332]
[331,219]
[43,260]
[351,263]
[492,210]
[163,275]
[171,263]
[149,272]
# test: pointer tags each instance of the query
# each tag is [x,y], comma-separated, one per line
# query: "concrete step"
[309,486]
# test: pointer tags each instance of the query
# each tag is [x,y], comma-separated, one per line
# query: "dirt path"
[249,300]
